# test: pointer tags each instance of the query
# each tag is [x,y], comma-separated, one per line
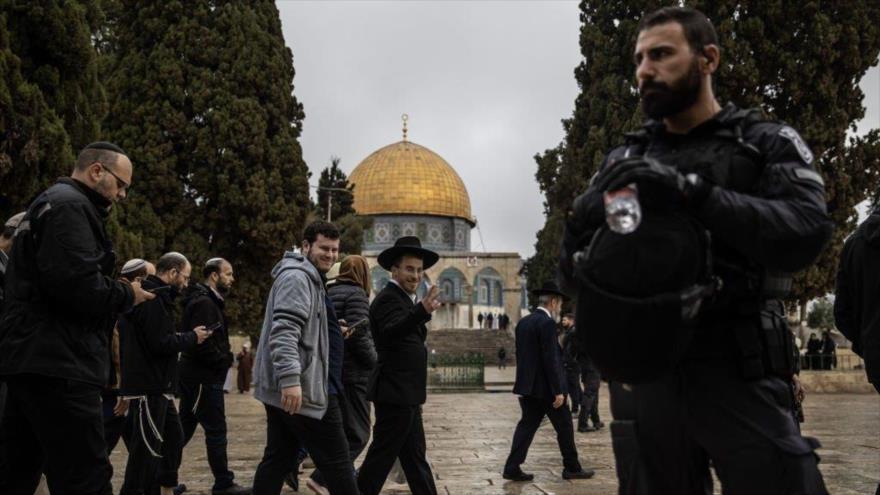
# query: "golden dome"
[406,178]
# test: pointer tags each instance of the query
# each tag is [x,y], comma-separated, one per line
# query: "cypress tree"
[51,98]
[203,101]
[799,62]
[351,226]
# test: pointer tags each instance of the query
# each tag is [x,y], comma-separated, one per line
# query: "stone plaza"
[468,437]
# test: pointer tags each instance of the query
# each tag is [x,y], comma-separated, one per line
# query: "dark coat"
[352,305]
[569,350]
[209,362]
[61,303]
[149,343]
[856,311]
[538,358]
[4,260]
[399,331]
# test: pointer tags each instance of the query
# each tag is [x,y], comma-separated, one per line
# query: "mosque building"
[410,190]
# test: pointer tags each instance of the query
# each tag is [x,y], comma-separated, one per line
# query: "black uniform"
[728,400]
[591,380]
[572,369]
[54,342]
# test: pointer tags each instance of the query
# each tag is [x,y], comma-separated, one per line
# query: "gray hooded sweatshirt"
[294,344]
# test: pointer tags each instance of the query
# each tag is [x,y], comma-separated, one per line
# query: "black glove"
[641,169]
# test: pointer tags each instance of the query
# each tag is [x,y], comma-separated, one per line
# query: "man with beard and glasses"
[203,371]
[743,195]
[59,312]
[149,344]
[298,369]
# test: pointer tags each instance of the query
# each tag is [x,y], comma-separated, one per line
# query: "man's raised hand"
[431,302]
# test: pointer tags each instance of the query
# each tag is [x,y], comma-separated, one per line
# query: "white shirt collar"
[411,296]
[546,311]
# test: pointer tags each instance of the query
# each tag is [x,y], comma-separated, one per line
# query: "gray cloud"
[485,85]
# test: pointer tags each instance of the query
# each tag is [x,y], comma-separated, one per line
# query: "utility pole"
[330,191]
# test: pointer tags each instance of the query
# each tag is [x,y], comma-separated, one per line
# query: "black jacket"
[765,210]
[61,303]
[4,260]
[352,305]
[149,343]
[856,306]
[569,350]
[399,331]
[209,362]
[538,358]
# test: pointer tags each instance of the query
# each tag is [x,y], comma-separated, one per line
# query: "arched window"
[451,283]
[490,288]
[422,290]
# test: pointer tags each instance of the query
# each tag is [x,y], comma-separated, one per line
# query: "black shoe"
[583,474]
[598,426]
[234,489]
[586,429]
[179,489]
[518,475]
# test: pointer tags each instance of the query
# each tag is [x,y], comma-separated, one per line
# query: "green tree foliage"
[800,62]
[341,203]
[351,226]
[202,99]
[821,315]
[51,97]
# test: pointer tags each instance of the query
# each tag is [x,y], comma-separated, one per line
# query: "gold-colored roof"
[407,178]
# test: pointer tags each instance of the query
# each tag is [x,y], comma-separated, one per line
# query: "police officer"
[751,184]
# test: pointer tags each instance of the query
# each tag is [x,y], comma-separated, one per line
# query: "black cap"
[105,145]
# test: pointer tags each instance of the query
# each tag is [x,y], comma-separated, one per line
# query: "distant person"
[204,369]
[856,308]
[828,352]
[490,320]
[814,353]
[540,385]
[245,368]
[570,362]
[60,307]
[480,319]
[502,358]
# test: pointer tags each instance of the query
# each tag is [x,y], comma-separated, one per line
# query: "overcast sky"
[485,85]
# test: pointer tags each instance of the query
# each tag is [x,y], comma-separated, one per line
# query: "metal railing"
[456,373]
[823,362]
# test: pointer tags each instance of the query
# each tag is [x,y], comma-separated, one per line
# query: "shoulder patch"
[799,144]
[809,175]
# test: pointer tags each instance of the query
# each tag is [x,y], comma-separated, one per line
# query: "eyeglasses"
[121,184]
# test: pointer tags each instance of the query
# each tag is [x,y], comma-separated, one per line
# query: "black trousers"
[144,469]
[355,421]
[114,426]
[533,412]
[324,439]
[203,404]
[573,385]
[397,434]
[590,398]
[54,425]
[705,412]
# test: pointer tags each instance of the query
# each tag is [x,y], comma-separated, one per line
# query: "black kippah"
[105,145]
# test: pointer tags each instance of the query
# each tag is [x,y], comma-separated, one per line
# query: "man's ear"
[710,56]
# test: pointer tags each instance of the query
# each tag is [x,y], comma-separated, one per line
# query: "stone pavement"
[468,437]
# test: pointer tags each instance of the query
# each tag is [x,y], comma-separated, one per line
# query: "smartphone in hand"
[214,327]
[159,290]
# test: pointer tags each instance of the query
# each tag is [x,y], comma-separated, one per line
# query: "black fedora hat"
[407,245]
[549,288]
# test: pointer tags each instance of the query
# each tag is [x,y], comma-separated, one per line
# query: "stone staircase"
[458,341]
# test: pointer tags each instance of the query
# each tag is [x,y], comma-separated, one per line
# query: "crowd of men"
[700,373]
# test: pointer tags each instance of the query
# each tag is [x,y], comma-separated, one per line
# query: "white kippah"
[133,265]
